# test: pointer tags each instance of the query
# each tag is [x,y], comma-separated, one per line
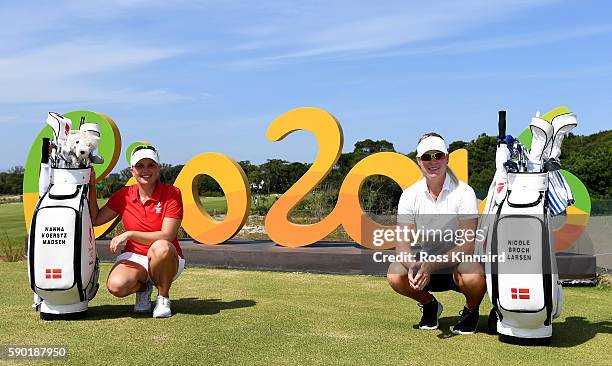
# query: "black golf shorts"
[442,281]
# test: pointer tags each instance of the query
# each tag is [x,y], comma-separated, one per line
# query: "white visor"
[144,154]
[431,143]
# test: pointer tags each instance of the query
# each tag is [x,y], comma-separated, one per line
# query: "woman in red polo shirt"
[151,212]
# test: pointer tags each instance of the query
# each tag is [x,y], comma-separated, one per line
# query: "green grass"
[11,221]
[214,205]
[227,317]
[12,231]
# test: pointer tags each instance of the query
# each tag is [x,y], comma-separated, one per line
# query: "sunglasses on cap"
[438,155]
[143,147]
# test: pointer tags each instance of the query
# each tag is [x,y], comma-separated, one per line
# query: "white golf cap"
[431,143]
[144,152]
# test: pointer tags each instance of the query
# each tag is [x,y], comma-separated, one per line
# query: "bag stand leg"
[496,328]
[525,341]
[63,312]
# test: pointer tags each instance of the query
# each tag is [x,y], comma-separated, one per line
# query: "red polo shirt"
[148,217]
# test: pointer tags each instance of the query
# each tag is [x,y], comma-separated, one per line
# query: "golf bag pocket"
[520,277]
[63,191]
[54,240]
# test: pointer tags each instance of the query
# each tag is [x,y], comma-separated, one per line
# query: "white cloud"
[366,28]
[58,73]
[59,52]
[80,57]
[563,74]
[80,93]
[507,42]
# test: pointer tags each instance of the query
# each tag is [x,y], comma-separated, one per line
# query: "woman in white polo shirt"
[439,201]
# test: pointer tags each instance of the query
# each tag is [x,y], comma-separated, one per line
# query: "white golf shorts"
[143,260]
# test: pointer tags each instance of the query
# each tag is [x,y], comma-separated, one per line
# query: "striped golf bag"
[62,262]
[523,285]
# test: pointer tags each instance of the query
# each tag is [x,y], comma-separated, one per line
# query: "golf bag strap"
[78,244]
[547,274]
[494,264]
[31,243]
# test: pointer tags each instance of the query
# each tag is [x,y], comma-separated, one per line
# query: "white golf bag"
[523,283]
[524,287]
[63,267]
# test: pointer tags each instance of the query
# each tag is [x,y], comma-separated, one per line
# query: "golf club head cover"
[552,165]
[94,130]
[511,166]
[61,126]
[96,159]
[502,154]
[44,179]
[542,133]
[91,128]
[562,125]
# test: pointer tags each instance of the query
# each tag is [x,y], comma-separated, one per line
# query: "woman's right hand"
[413,268]
[118,240]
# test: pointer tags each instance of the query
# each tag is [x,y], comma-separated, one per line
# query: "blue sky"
[197,76]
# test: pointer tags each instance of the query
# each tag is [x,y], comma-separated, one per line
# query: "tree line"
[588,157]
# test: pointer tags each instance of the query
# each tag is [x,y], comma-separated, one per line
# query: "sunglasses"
[143,147]
[435,156]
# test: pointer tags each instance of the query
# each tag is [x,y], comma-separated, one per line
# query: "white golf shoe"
[162,308]
[143,299]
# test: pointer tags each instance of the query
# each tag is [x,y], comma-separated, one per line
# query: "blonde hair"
[429,134]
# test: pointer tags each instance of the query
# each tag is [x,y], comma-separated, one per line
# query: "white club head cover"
[502,155]
[542,133]
[44,179]
[92,128]
[562,125]
[61,126]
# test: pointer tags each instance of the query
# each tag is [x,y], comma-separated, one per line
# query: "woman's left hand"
[118,240]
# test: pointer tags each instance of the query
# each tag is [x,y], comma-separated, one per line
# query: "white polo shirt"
[456,201]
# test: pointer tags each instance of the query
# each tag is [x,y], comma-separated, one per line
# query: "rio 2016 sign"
[232,179]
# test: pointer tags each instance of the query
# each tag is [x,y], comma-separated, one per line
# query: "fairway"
[11,222]
[228,317]
[214,205]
